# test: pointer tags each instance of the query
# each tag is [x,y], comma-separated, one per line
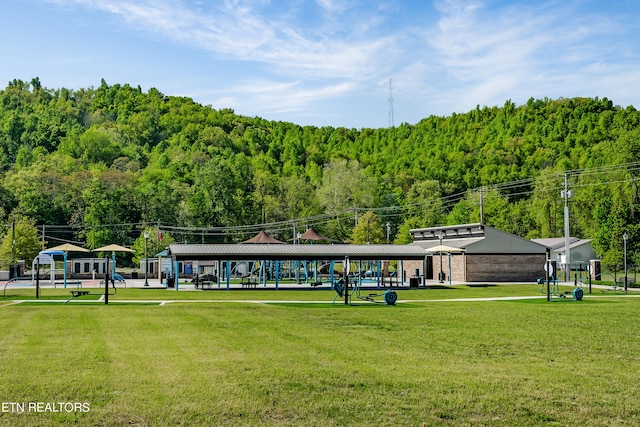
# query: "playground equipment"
[342,289]
[116,278]
[389,296]
[78,292]
[550,287]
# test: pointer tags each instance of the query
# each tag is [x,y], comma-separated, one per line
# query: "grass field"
[521,362]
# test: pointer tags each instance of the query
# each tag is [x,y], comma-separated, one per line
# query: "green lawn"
[527,362]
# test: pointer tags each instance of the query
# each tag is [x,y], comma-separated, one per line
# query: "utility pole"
[481,206]
[391,121]
[566,194]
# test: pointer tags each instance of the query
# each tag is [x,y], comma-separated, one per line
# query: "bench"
[248,282]
[206,284]
[77,294]
[618,286]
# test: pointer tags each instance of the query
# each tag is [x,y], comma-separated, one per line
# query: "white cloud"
[333,6]
[237,31]
[482,53]
[450,58]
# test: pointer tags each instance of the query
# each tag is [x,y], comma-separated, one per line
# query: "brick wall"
[484,268]
[507,268]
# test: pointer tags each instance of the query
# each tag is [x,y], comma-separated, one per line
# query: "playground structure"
[315,273]
[551,289]
[342,289]
[47,257]
[550,286]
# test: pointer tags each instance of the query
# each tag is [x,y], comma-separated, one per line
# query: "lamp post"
[441,273]
[624,239]
[13,242]
[13,248]
[146,258]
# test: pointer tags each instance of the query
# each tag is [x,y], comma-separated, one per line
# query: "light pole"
[13,248]
[441,273]
[624,239]
[13,242]
[146,258]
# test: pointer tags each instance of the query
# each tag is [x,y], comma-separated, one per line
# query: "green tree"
[345,185]
[425,201]
[20,241]
[369,230]
[157,242]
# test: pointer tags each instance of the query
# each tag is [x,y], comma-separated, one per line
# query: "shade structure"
[312,235]
[113,248]
[444,248]
[262,237]
[68,247]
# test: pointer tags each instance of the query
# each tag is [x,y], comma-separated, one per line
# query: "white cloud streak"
[485,56]
[236,30]
[468,52]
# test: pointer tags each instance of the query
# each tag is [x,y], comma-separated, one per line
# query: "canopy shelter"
[60,250]
[262,238]
[68,247]
[113,248]
[313,236]
[229,251]
[278,252]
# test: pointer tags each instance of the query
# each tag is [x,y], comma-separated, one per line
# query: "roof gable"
[476,238]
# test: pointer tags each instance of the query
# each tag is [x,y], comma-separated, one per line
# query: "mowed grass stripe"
[451,363]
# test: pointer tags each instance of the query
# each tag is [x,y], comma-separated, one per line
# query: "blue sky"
[329,62]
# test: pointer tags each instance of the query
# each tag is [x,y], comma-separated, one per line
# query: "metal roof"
[456,243]
[557,243]
[476,239]
[294,252]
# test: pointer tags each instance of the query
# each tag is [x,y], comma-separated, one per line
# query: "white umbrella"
[444,248]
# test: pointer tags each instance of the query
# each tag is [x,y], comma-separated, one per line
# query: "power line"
[514,188]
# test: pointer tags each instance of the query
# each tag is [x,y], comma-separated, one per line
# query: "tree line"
[99,165]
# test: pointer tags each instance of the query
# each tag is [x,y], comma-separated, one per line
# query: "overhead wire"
[510,189]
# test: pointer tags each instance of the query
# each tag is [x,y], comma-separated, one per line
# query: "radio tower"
[391,124]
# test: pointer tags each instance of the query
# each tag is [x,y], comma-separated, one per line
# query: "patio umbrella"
[445,249]
[113,248]
[262,237]
[68,247]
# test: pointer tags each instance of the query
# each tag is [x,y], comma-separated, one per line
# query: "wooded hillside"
[97,165]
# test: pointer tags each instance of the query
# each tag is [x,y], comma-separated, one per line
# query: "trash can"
[414,282]
[171,282]
[441,276]
[134,274]
[14,271]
